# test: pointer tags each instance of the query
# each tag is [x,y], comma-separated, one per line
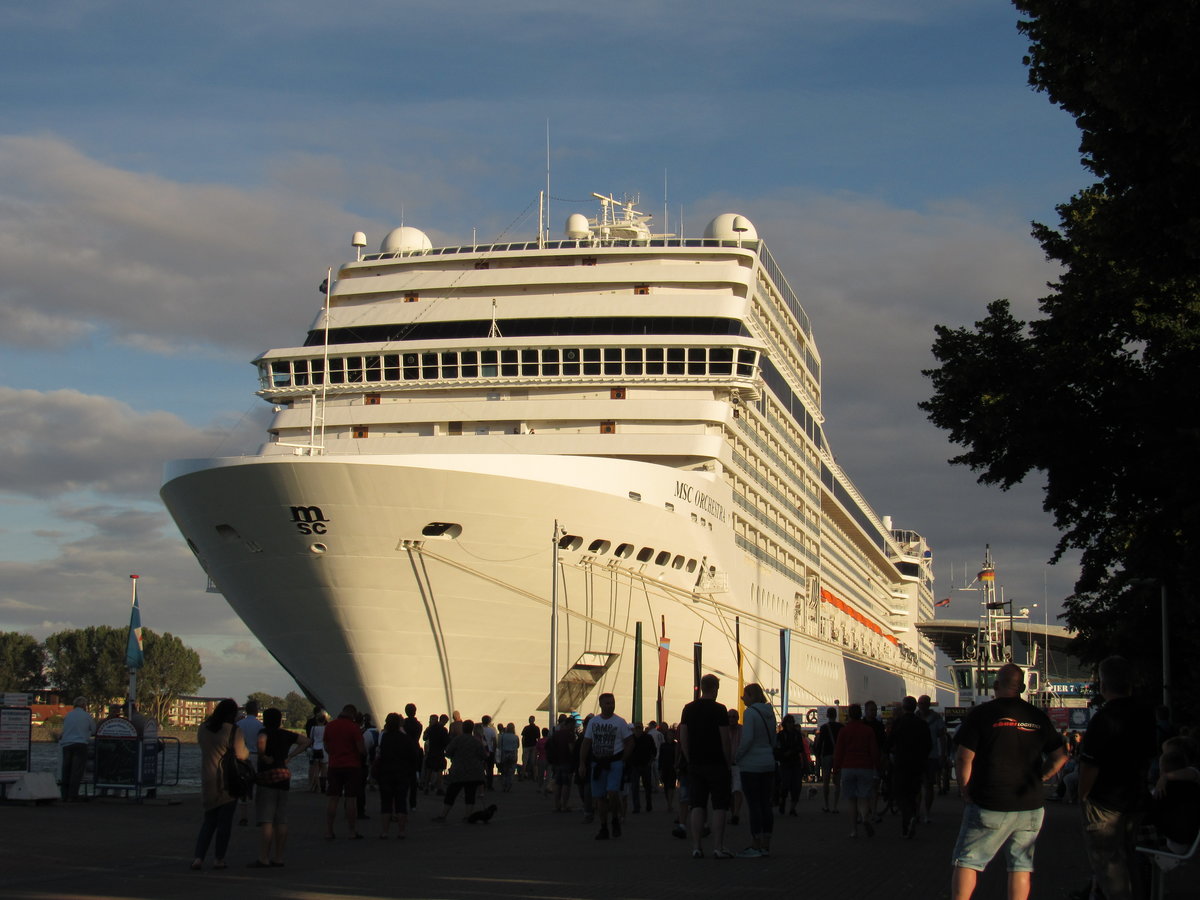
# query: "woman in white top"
[316,757]
[755,759]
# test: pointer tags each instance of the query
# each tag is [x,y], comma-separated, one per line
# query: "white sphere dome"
[577,227]
[731,227]
[405,239]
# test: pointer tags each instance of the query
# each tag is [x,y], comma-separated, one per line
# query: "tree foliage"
[1097,393]
[22,660]
[295,707]
[171,670]
[90,662]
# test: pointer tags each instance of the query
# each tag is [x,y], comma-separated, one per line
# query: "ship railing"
[788,467]
[582,244]
[850,489]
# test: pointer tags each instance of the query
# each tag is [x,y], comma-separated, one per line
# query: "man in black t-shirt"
[436,737]
[908,747]
[706,746]
[1007,748]
[530,735]
[1114,758]
[827,736]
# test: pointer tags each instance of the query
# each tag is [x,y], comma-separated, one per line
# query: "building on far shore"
[189,712]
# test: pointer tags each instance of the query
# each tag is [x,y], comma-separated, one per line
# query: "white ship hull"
[659,398]
[360,606]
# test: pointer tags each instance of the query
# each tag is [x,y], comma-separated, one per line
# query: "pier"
[116,849]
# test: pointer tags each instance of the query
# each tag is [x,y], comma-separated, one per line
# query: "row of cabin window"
[600,547]
[641,290]
[617,393]
[360,432]
[514,363]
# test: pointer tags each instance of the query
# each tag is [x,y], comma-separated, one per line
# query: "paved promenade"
[117,849]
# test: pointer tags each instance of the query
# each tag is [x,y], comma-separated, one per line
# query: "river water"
[179,765]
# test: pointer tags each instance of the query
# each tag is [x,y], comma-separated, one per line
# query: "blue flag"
[133,650]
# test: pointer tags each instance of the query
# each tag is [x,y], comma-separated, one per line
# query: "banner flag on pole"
[664,656]
[134,658]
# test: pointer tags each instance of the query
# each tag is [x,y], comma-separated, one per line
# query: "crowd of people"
[717,765]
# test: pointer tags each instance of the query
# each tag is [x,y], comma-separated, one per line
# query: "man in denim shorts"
[607,744]
[1006,749]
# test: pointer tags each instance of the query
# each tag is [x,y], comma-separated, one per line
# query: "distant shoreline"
[43,735]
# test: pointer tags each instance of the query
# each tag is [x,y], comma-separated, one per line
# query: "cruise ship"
[505,478]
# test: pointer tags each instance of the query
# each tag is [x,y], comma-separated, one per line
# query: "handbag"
[771,738]
[239,776]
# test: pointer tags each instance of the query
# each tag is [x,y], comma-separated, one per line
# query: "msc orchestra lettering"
[700,500]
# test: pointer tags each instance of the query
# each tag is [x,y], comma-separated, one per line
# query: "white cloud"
[22,326]
[61,441]
[172,261]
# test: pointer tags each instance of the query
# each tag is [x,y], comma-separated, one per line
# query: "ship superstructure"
[659,398]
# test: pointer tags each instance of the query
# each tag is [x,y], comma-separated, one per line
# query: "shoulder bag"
[238,774]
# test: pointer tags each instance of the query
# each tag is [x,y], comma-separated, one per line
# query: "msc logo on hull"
[309,520]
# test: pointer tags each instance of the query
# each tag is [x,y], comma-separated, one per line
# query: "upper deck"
[582,252]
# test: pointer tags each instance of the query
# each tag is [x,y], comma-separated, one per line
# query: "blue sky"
[174,181]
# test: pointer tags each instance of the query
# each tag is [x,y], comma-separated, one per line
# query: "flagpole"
[552,711]
[132,698]
[737,632]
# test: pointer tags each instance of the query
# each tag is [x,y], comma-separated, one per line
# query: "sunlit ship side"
[656,399]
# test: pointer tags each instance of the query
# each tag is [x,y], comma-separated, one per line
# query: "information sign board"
[16,731]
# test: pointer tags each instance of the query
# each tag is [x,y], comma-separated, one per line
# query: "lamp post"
[1166,644]
[1166,651]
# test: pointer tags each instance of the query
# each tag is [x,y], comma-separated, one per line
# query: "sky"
[176,179]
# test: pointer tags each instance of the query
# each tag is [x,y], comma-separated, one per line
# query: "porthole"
[445,530]
[624,551]
[645,554]
[317,548]
[677,562]
[599,546]
[570,542]
[664,557]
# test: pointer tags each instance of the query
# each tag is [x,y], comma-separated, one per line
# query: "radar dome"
[577,227]
[405,239]
[731,227]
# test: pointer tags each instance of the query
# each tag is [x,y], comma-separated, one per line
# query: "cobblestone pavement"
[116,849]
